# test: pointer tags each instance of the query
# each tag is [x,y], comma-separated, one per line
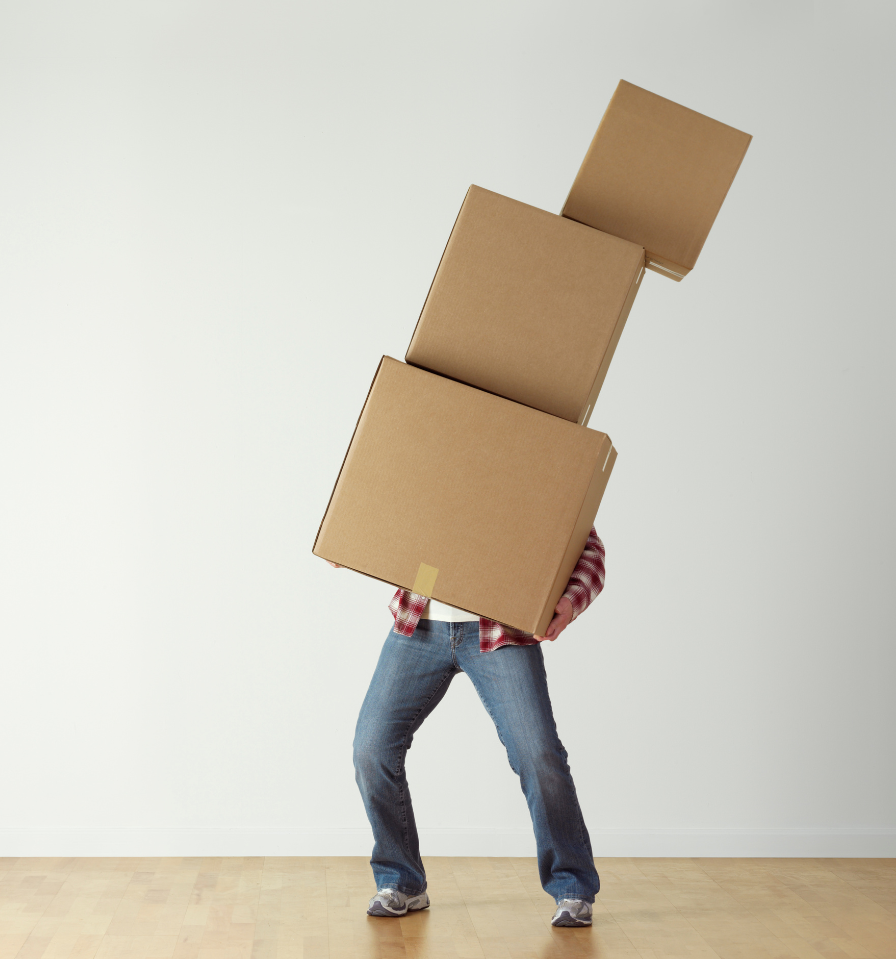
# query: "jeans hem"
[404,892]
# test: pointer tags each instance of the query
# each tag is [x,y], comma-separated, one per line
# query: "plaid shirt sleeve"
[407,607]
[587,578]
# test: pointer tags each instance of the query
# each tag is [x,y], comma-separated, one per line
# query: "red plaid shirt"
[584,585]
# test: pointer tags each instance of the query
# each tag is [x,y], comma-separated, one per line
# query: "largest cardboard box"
[527,304]
[464,496]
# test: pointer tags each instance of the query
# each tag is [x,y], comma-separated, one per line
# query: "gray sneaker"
[391,902]
[572,912]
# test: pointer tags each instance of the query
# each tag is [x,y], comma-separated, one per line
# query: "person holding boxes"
[491,381]
[429,644]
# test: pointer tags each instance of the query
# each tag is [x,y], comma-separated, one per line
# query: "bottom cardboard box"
[464,496]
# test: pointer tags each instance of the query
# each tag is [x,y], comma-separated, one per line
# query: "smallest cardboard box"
[465,497]
[527,305]
[656,173]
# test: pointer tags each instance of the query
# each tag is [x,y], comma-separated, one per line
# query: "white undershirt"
[447,614]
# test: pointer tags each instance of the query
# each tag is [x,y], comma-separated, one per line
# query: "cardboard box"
[656,173]
[464,496]
[527,305]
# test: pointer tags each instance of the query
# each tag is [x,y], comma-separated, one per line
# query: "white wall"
[216,217]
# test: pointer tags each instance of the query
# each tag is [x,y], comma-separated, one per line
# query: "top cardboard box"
[527,305]
[656,173]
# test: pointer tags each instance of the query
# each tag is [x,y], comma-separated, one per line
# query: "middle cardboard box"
[466,497]
[528,305]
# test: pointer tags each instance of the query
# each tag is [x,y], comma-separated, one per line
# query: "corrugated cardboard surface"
[527,305]
[656,174]
[496,497]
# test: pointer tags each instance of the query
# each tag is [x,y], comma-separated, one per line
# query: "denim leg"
[411,677]
[512,684]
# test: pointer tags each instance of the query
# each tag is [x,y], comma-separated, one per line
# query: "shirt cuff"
[578,598]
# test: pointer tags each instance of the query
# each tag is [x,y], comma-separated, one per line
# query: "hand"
[335,565]
[562,619]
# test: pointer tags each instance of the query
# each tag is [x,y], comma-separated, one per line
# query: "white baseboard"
[764,843]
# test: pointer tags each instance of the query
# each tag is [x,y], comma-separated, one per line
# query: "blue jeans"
[411,677]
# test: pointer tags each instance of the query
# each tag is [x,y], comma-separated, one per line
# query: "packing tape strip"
[426,579]
[665,269]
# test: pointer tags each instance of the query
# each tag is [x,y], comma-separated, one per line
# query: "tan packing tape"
[425,581]
[603,469]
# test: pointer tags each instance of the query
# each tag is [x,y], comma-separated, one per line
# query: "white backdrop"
[215,217]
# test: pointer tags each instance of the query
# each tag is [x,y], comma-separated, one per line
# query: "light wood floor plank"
[483,908]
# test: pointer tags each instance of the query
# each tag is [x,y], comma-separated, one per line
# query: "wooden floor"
[482,908]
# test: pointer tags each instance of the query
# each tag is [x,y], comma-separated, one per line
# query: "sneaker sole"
[379,911]
[567,920]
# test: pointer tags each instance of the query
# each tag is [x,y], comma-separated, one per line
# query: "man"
[429,644]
